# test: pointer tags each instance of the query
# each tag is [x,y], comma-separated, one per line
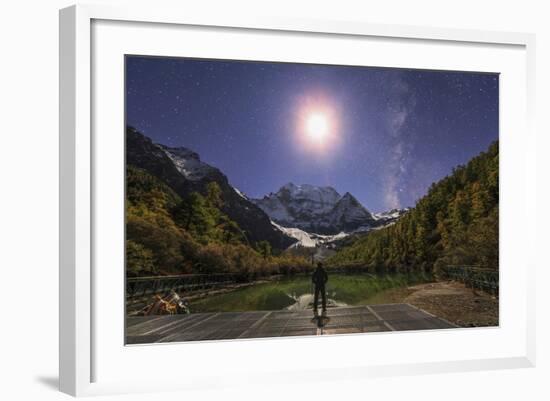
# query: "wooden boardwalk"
[234,325]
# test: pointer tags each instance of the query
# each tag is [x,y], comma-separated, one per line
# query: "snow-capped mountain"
[320,210]
[296,215]
[184,171]
[391,215]
[188,163]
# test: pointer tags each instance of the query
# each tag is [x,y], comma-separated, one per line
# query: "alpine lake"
[295,293]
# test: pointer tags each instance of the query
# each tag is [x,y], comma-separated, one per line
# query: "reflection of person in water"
[319,279]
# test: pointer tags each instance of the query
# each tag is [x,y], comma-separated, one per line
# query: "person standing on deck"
[319,279]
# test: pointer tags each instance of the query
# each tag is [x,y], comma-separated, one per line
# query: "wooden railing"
[475,277]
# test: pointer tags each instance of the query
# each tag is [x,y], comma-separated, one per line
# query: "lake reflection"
[305,301]
[295,293]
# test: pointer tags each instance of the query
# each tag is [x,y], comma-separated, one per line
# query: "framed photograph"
[342,195]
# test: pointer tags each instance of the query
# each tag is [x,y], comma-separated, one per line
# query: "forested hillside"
[182,170]
[456,223]
[167,234]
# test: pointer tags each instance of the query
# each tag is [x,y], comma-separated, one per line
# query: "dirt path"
[454,302]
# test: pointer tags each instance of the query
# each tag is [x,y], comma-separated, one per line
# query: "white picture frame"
[81,346]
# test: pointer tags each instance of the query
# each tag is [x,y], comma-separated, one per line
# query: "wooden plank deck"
[234,325]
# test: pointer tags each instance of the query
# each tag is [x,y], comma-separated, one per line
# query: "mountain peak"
[350,199]
[317,209]
[348,195]
[288,185]
[181,152]
[188,162]
[182,170]
[390,215]
[306,187]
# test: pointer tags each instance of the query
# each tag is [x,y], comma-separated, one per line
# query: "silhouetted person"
[319,279]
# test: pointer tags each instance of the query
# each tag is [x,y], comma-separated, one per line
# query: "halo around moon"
[317,125]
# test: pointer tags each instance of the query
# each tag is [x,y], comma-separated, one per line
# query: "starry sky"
[391,132]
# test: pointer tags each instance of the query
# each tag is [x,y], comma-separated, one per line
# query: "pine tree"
[455,223]
[264,248]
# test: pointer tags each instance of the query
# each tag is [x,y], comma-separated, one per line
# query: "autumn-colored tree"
[169,235]
[455,223]
[139,260]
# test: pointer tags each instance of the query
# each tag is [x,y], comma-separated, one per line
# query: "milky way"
[398,130]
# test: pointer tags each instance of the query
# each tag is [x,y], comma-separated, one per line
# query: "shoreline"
[449,300]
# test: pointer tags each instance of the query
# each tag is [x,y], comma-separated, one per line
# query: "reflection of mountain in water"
[305,301]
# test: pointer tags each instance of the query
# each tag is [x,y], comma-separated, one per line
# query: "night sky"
[384,134]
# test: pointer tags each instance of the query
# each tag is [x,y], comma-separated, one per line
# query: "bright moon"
[317,127]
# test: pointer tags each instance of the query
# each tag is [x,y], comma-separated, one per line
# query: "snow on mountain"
[274,208]
[183,171]
[308,214]
[391,215]
[348,211]
[315,209]
[188,163]
[240,193]
[308,240]
[316,200]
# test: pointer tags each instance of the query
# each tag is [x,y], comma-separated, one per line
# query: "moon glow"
[317,125]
